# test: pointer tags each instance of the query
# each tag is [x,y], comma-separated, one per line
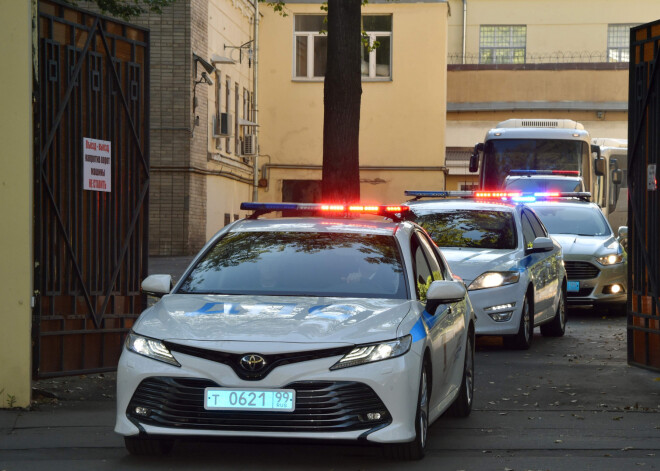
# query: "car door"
[541,266]
[445,325]
[552,268]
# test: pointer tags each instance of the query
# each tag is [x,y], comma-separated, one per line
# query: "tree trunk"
[342,96]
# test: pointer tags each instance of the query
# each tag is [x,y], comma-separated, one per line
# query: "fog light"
[143,411]
[500,316]
[613,289]
[374,416]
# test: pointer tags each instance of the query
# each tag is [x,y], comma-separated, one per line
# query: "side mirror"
[541,244]
[599,166]
[157,285]
[623,232]
[444,292]
[474,158]
[617,176]
[623,237]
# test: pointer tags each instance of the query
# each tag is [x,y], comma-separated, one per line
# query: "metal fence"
[557,57]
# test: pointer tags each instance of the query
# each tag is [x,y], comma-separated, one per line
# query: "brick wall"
[178,148]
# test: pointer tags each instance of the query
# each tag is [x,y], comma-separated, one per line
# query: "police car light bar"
[439,194]
[516,196]
[390,211]
[520,172]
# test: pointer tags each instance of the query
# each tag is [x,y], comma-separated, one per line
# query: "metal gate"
[90,246]
[643,208]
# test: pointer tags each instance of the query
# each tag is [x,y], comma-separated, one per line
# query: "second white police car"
[330,328]
[512,268]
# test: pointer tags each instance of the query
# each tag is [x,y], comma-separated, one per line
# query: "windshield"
[578,220]
[503,155]
[543,184]
[470,228]
[300,264]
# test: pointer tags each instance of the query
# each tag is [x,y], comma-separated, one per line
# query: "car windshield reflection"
[300,264]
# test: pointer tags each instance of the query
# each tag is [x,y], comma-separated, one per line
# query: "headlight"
[362,354]
[493,279]
[149,347]
[612,259]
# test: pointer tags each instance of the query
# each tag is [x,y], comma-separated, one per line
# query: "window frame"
[512,47]
[621,51]
[311,35]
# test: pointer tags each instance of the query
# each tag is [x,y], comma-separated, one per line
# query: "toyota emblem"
[253,362]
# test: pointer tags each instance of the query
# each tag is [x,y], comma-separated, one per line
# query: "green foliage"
[127,9]
[424,287]
[11,399]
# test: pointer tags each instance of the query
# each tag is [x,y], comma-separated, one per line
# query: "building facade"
[541,59]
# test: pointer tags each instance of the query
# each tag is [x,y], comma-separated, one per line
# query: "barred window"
[502,44]
[618,42]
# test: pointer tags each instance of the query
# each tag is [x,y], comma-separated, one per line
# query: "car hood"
[470,263]
[574,245]
[226,319]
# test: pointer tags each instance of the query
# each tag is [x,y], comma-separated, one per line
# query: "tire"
[557,326]
[148,446]
[462,405]
[415,450]
[523,339]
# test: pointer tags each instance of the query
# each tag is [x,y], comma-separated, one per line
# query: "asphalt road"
[570,403]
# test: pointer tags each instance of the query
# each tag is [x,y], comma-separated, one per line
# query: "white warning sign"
[97,165]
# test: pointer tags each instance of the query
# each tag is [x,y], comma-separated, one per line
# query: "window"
[218,102]
[237,107]
[251,263]
[311,47]
[528,231]
[502,44]
[227,107]
[474,228]
[618,43]
[376,60]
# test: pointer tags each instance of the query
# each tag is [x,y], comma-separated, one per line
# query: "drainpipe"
[255,108]
[464,26]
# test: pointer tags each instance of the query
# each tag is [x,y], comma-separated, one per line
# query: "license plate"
[573,286]
[275,400]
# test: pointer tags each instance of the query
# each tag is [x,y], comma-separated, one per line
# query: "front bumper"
[594,290]
[330,405]
[495,301]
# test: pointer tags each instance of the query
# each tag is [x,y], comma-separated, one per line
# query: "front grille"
[321,406]
[581,270]
[233,360]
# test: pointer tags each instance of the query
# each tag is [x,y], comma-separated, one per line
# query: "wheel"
[557,326]
[462,405]
[148,446]
[523,339]
[415,450]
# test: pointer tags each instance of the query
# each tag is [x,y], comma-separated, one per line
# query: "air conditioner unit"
[222,125]
[249,144]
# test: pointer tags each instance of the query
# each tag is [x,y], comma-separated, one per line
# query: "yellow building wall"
[229,24]
[535,87]
[402,121]
[16,208]
[552,25]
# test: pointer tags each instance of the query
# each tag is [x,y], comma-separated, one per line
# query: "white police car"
[329,328]
[512,268]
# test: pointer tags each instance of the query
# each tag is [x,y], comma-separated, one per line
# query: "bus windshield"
[503,155]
